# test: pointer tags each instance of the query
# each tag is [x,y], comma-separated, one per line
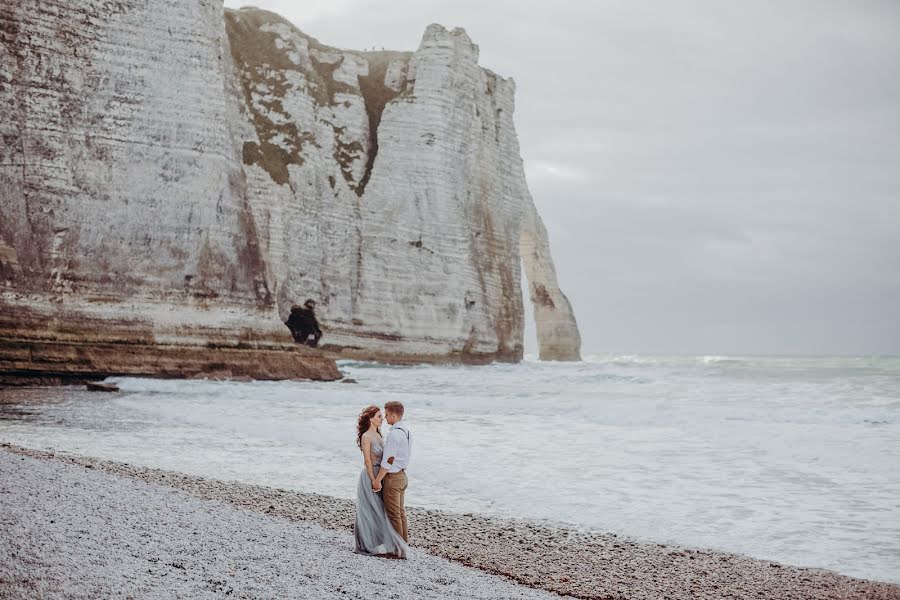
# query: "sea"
[789,459]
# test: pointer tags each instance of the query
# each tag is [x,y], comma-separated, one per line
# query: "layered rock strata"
[176,176]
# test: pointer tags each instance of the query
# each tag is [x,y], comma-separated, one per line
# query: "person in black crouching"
[303,324]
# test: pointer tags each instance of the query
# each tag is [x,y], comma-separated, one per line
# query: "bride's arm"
[367,455]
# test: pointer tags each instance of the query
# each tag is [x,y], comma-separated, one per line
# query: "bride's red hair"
[364,422]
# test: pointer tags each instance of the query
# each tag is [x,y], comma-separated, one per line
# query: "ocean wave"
[624,360]
[643,360]
[723,360]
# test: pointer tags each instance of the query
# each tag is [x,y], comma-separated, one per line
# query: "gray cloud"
[716,177]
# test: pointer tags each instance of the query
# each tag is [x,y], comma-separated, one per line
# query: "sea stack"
[175,176]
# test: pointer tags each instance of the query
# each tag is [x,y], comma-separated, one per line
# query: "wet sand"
[539,556]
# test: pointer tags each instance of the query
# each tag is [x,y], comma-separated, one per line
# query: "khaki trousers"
[394,494]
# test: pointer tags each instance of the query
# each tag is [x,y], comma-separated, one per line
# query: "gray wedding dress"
[373,530]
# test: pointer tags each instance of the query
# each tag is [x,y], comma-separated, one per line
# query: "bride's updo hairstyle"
[362,425]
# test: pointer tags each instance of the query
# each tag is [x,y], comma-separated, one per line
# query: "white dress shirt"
[397,445]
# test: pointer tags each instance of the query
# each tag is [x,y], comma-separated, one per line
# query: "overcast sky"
[716,177]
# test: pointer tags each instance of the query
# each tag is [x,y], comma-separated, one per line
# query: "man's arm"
[381,473]
[390,452]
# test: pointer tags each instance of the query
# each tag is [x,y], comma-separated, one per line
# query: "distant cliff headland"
[175,176]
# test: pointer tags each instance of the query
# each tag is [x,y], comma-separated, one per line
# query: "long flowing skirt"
[373,530]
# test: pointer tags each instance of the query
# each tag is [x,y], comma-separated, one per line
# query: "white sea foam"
[782,458]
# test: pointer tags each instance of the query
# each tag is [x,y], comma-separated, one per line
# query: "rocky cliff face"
[175,175]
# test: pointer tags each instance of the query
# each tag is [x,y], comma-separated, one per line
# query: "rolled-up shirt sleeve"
[391,447]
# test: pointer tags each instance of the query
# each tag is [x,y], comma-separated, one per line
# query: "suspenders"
[404,431]
[407,438]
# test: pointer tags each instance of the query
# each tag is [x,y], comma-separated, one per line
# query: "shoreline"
[72,532]
[541,556]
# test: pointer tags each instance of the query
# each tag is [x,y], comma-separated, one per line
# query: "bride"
[373,530]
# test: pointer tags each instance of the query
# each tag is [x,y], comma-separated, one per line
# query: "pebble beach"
[79,527]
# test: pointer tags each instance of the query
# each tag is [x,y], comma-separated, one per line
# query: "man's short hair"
[395,407]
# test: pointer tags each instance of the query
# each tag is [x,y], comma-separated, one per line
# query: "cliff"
[173,177]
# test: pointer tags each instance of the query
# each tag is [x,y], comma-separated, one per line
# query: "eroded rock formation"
[176,176]
[553,317]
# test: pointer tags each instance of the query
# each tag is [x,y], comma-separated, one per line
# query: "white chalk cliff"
[172,174]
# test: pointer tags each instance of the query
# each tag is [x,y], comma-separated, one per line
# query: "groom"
[393,468]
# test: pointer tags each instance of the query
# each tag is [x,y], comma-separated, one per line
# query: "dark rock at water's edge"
[98,386]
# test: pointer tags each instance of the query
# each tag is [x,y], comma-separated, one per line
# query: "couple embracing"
[381,527]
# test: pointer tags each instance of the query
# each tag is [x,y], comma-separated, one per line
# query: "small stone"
[97,386]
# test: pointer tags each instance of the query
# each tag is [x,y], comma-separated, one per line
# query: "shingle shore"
[557,559]
[72,532]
